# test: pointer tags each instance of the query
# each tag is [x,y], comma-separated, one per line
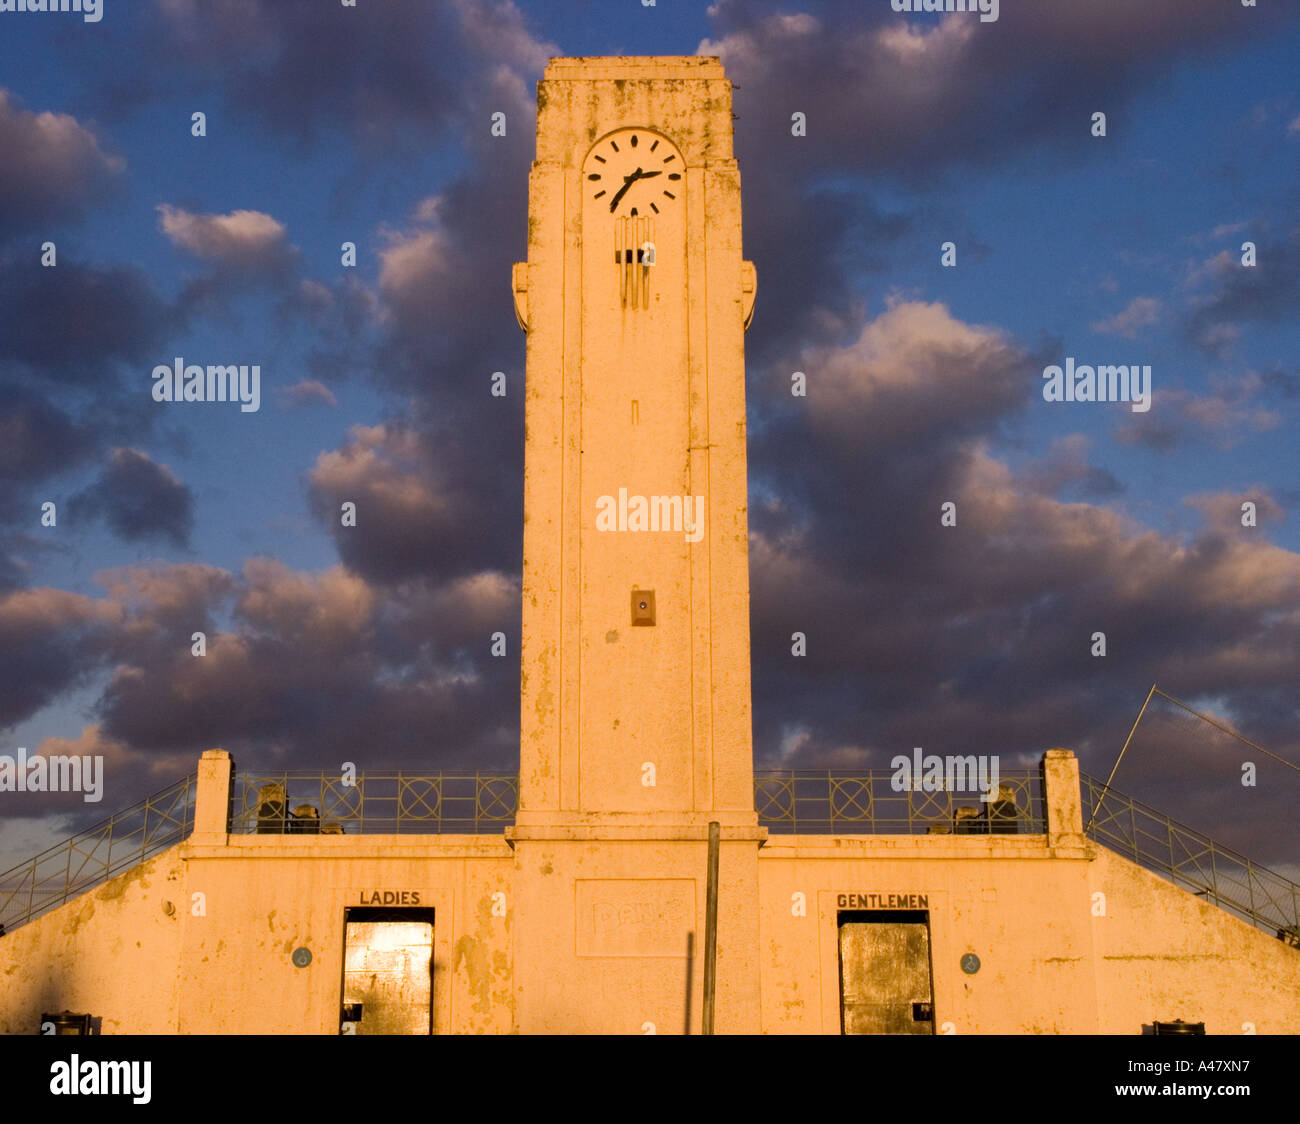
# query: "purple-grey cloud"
[54,168]
[138,499]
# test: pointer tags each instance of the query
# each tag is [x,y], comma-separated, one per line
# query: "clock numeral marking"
[669,194]
[601,159]
[654,146]
[669,159]
[654,208]
[596,176]
[671,176]
[634,140]
[614,145]
[599,193]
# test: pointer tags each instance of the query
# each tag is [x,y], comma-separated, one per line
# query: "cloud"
[1229,414]
[172,593]
[50,641]
[914,372]
[1065,468]
[239,240]
[901,405]
[805,241]
[887,94]
[307,392]
[53,169]
[412,264]
[393,78]
[444,290]
[1222,514]
[344,319]
[1266,293]
[976,638]
[122,775]
[914,101]
[104,316]
[299,666]
[420,516]
[1227,230]
[71,337]
[446,324]
[1218,268]
[324,666]
[981,637]
[1141,312]
[1282,382]
[38,439]
[138,499]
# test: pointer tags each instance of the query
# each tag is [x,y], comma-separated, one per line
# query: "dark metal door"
[885,974]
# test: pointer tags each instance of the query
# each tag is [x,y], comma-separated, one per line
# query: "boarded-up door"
[387,972]
[885,973]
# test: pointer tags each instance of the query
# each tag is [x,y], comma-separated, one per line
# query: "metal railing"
[97,854]
[383,803]
[819,803]
[814,802]
[1191,860]
[787,802]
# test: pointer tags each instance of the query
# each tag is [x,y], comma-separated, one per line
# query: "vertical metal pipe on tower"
[711,927]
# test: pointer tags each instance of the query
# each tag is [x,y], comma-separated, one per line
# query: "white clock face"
[634,172]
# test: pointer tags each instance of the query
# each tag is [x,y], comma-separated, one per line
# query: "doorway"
[885,973]
[387,971]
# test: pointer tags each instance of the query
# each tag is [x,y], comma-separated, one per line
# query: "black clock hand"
[627,182]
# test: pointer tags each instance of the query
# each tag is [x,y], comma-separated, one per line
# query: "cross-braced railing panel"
[373,803]
[1190,859]
[97,853]
[819,803]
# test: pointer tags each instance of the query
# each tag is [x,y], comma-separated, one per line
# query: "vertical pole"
[690,978]
[711,927]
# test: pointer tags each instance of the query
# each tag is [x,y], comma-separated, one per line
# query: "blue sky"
[922,129]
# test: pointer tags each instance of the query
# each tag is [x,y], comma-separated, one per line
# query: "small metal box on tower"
[643,606]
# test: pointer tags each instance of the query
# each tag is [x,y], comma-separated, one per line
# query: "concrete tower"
[635,693]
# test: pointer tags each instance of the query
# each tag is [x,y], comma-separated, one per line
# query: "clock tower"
[635,687]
